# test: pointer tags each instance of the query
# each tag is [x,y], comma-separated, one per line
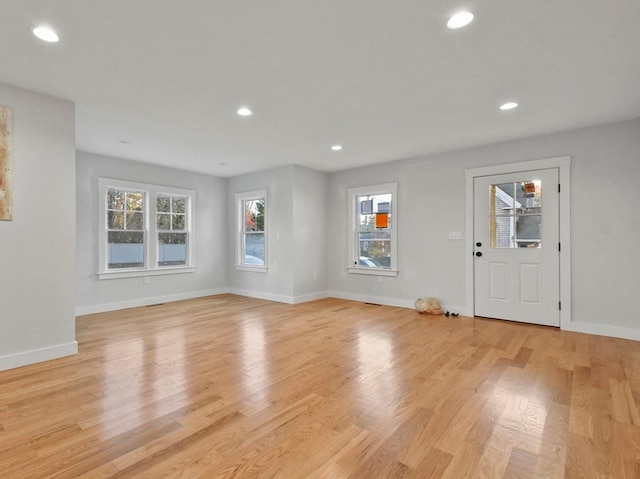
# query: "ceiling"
[160,81]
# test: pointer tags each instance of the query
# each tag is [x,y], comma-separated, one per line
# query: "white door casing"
[562,164]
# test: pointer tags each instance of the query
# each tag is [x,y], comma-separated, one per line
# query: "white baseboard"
[305,298]
[33,356]
[399,303]
[364,298]
[134,303]
[603,330]
[279,298]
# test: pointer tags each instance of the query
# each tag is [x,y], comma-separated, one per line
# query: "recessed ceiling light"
[336,147]
[46,34]
[508,106]
[244,111]
[460,19]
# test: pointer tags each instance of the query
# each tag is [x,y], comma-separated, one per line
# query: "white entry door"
[516,247]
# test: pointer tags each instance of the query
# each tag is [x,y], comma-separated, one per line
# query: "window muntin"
[252,237]
[373,243]
[144,229]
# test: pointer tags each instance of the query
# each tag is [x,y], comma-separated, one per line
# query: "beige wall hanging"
[6,172]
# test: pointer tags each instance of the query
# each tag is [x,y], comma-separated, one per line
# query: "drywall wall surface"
[276,283]
[209,227]
[430,204]
[605,223]
[37,248]
[310,205]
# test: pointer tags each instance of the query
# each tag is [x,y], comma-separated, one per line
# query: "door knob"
[479,253]
[478,244]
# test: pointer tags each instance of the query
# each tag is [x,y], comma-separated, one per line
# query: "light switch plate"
[455,235]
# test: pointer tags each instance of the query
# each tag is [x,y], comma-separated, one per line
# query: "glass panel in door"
[516,214]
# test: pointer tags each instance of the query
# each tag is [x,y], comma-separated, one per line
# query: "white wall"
[310,210]
[37,248]
[296,211]
[277,283]
[605,224]
[210,277]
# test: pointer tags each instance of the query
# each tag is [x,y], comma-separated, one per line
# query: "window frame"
[151,242]
[354,239]
[241,198]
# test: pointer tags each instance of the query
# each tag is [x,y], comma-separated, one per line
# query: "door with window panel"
[516,238]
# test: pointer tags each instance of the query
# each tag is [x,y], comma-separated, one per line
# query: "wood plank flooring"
[232,387]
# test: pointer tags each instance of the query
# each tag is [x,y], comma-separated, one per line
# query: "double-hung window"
[251,208]
[173,234]
[144,229]
[125,228]
[373,240]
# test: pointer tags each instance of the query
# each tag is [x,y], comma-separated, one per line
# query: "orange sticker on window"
[382,220]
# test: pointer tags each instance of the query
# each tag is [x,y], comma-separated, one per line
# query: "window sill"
[134,273]
[252,269]
[372,271]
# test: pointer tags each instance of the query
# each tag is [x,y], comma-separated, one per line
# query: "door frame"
[563,164]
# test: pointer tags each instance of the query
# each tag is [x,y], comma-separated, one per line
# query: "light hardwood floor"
[231,387]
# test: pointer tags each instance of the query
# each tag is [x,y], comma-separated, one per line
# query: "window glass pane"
[164,221]
[254,249]
[249,217]
[172,249]
[374,249]
[135,201]
[516,214]
[367,222]
[179,204]
[502,198]
[125,249]
[115,220]
[503,232]
[529,195]
[178,222]
[254,215]
[528,231]
[115,199]
[135,221]
[163,204]
[374,212]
